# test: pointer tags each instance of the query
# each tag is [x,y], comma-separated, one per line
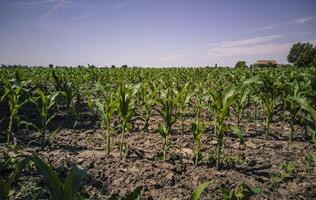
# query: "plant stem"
[256,112]
[10,133]
[182,124]
[43,133]
[292,130]
[108,141]
[121,144]
[197,152]
[219,148]
[165,147]
[267,125]
[238,121]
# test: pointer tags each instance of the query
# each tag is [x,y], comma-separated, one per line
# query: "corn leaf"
[198,191]
[72,183]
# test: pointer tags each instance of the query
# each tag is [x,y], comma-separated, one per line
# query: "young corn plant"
[183,99]
[199,190]
[198,130]
[43,104]
[168,106]
[107,107]
[199,101]
[243,192]
[59,190]
[126,109]
[66,89]
[146,96]
[6,183]
[14,95]
[269,95]
[291,106]
[222,101]
[310,117]
[241,103]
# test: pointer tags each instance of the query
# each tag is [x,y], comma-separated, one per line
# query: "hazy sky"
[152,32]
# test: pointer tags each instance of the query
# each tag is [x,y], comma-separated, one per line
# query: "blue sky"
[152,32]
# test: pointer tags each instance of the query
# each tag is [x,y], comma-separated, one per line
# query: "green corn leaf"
[6,186]
[50,119]
[28,125]
[52,181]
[239,134]
[4,189]
[198,191]
[306,106]
[72,183]
[162,130]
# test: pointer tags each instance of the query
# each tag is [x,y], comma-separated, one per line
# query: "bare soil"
[258,162]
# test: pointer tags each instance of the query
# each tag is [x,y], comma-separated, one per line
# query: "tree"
[302,55]
[241,64]
[91,66]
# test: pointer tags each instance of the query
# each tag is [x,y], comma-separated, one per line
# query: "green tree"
[302,55]
[241,64]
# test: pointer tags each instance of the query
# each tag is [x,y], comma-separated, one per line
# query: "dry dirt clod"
[187,151]
[251,145]
[170,176]
[133,169]
[80,161]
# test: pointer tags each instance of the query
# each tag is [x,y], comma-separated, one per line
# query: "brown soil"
[256,163]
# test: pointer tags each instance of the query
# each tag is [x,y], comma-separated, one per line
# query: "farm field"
[158,132]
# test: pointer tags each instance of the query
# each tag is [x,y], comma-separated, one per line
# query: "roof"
[265,62]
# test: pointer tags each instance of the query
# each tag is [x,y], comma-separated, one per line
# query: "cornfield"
[168,133]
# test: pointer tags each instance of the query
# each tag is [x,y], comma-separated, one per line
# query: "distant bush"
[241,64]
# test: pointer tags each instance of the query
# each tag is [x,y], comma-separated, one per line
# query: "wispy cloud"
[59,28]
[88,9]
[303,20]
[260,49]
[253,50]
[275,26]
[264,28]
[99,11]
[250,41]
[58,5]
[30,3]
[212,44]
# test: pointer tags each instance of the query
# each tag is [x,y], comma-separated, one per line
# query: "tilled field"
[258,163]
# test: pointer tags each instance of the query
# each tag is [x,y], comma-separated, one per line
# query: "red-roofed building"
[266,62]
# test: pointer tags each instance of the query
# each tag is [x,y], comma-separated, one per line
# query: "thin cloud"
[275,26]
[58,28]
[30,3]
[260,49]
[103,10]
[303,20]
[254,50]
[250,41]
[264,28]
[212,44]
[58,5]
